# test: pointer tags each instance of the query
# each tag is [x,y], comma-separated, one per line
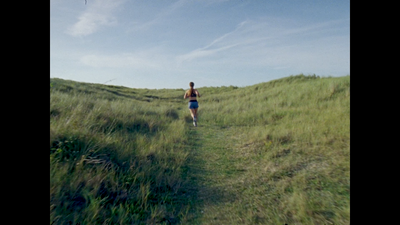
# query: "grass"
[272,153]
[113,159]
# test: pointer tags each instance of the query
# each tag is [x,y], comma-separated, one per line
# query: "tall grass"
[113,160]
[279,150]
[290,138]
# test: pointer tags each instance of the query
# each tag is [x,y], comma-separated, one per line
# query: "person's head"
[190,91]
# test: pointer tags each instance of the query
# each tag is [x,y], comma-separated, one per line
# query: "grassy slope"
[115,154]
[275,152]
[283,156]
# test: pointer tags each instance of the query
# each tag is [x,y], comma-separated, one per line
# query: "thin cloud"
[208,50]
[98,13]
[262,43]
[158,18]
[198,53]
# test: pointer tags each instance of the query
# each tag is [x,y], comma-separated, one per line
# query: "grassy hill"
[272,153]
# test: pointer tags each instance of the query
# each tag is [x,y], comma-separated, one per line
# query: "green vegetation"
[272,153]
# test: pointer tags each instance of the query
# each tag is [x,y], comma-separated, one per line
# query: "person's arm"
[198,93]
[185,96]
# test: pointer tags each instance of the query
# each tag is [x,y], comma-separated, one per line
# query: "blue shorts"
[193,105]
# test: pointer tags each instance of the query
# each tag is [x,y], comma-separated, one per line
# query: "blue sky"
[159,44]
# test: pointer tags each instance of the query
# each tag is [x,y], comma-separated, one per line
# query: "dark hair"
[191,84]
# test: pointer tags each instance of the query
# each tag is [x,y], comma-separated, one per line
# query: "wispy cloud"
[260,39]
[97,14]
[210,49]
[159,17]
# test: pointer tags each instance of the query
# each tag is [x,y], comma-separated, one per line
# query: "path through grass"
[215,169]
[235,183]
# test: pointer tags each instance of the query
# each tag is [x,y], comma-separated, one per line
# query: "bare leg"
[192,113]
[195,113]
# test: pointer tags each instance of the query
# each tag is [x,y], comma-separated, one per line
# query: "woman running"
[193,105]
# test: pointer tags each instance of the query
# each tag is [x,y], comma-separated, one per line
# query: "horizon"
[195,83]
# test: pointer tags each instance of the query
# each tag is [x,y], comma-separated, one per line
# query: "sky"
[159,44]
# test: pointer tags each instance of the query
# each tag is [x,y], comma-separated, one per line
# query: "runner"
[193,105]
